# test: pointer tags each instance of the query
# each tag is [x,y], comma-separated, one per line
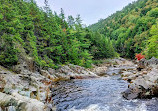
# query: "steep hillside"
[29,33]
[133,29]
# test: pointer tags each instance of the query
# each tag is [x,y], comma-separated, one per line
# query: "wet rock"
[126,74]
[141,82]
[135,91]
[21,102]
[145,80]
[143,63]
[113,71]
[130,94]
[152,61]
[153,75]
[26,84]
[133,76]
[122,62]
[155,91]
[100,70]
[73,71]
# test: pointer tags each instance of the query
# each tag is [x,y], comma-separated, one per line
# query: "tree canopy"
[28,31]
[132,29]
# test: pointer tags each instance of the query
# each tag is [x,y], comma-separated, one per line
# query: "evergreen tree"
[30,32]
[70,21]
[129,29]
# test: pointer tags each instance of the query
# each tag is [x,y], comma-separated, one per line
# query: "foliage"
[131,29]
[8,52]
[152,43]
[154,13]
[29,31]
[139,56]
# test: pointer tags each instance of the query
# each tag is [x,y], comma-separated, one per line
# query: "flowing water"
[97,94]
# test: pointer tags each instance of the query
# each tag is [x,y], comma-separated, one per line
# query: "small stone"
[51,71]
[145,72]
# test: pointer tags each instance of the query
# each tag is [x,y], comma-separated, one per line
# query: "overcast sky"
[90,10]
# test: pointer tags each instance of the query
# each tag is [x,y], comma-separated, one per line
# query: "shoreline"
[28,90]
[143,81]
[24,89]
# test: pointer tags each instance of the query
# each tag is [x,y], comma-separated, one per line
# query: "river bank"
[101,94]
[143,81]
[28,89]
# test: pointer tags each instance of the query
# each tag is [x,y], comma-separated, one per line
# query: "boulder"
[153,74]
[100,70]
[113,71]
[73,72]
[143,63]
[47,75]
[144,84]
[20,67]
[21,103]
[126,74]
[130,77]
[141,82]
[130,94]
[51,71]
[64,69]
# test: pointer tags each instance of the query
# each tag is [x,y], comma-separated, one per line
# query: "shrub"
[139,56]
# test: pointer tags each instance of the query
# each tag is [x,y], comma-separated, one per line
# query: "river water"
[97,94]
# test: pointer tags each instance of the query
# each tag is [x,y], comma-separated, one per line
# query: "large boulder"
[143,63]
[131,93]
[21,103]
[73,72]
[135,91]
[145,80]
[100,71]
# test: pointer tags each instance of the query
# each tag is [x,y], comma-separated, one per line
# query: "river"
[97,94]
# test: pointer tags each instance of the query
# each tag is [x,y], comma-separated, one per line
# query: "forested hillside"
[133,29]
[30,33]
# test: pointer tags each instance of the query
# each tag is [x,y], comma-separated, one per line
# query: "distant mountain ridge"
[131,28]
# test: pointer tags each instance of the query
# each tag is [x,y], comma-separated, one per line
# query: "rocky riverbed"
[103,93]
[26,88]
[143,80]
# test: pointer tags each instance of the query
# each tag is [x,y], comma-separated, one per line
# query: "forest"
[51,61]
[29,32]
[132,30]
